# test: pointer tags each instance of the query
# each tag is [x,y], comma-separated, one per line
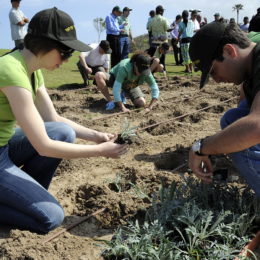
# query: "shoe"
[110,105]
[123,98]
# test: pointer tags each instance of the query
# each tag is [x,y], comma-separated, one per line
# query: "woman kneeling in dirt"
[30,155]
[125,78]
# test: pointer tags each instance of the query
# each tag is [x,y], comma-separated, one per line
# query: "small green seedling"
[127,133]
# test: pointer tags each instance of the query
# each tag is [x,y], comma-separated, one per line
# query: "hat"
[127,9]
[217,14]
[203,47]
[117,9]
[56,25]
[16,1]
[105,46]
[159,8]
[142,63]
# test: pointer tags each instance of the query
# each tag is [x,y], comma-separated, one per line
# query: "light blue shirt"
[112,25]
[187,31]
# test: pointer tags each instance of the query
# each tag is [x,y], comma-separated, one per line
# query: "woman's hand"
[104,137]
[112,150]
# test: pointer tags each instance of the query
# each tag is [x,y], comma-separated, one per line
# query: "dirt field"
[85,185]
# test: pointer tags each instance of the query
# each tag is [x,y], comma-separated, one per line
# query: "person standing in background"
[17,23]
[186,31]
[194,14]
[113,30]
[152,14]
[174,40]
[244,27]
[125,35]
[254,25]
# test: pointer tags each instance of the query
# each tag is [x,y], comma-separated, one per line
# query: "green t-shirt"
[13,72]
[124,74]
[252,83]
[159,26]
[127,28]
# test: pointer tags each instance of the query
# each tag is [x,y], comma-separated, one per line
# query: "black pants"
[176,52]
[115,46]
[84,73]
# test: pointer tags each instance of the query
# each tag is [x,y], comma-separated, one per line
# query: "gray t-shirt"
[15,16]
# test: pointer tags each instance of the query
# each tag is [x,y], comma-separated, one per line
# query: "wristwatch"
[196,147]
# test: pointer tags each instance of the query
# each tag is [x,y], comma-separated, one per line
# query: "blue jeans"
[247,161]
[24,179]
[124,47]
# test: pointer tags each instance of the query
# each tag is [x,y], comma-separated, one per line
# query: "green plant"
[127,133]
[184,223]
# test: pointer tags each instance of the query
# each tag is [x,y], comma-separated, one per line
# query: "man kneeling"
[93,61]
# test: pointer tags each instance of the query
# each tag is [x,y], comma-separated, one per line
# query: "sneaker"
[110,105]
[123,98]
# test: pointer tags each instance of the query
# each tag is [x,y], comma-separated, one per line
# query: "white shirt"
[15,16]
[196,25]
[93,58]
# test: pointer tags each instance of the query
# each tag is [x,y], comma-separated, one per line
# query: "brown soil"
[85,185]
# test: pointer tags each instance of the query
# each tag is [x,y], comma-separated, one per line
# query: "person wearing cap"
[158,57]
[224,52]
[194,14]
[127,77]
[17,22]
[95,60]
[125,36]
[217,17]
[113,30]
[159,27]
[31,153]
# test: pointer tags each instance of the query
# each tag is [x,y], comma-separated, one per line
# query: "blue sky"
[84,11]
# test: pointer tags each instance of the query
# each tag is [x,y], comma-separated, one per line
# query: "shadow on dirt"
[71,86]
[168,160]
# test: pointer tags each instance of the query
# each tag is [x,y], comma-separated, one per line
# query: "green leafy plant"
[127,133]
[188,221]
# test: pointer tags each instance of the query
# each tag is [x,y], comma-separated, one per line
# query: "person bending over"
[30,154]
[126,79]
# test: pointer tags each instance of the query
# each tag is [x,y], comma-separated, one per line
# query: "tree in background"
[100,25]
[237,8]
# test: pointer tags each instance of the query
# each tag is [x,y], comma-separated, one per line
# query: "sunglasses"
[66,54]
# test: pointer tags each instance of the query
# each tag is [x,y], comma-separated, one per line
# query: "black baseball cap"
[105,46]
[56,25]
[127,9]
[142,63]
[117,9]
[203,47]
[16,1]
[159,8]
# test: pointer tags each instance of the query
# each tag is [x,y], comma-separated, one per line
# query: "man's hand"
[201,166]
[89,70]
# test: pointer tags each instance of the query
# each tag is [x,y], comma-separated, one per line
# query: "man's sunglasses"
[66,54]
